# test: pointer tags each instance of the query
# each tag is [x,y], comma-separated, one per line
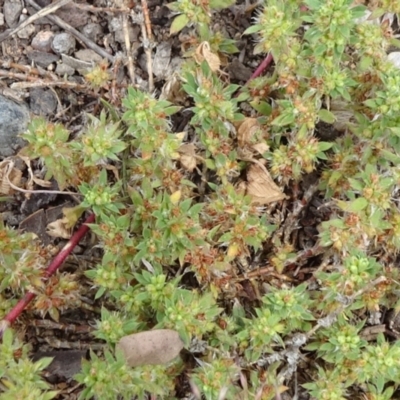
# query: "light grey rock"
[92,31]
[115,26]
[42,59]
[12,10]
[88,55]
[42,101]
[63,43]
[28,31]
[14,120]
[76,64]
[64,69]
[1,19]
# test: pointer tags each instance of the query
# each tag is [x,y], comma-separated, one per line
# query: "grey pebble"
[88,55]
[41,58]
[14,120]
[28,31]
[42,101]
[75,63]
[63,43]
[64,69]
[92,31]
[12,10]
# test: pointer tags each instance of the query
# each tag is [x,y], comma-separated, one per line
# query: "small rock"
[42,59]
[64,69]
[76,64]
[159,346]
[28,31]
[116,27]
[39,200]
[14,119]
[42,101]
[73,16]
[1,19]
[63,43]
[65,363]
[92,31]
[88,55]
[12,10]
[42,41]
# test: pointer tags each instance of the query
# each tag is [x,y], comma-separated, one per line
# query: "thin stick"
[28,69]
[147,22]
[9,168]
[50,270]
[93,9]
[147,49]
[41,13]
[43,83]
[73,31]
[35,82]
[147,44]
[131,70]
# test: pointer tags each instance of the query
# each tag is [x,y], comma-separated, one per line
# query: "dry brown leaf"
[172,90]
[261,187]
[246,131]
[260,148]
[203,52]
[159,346]
[9,173]
[187,156]
[59,229]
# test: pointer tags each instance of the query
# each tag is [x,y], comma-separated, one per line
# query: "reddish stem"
[50,270]
[261,68]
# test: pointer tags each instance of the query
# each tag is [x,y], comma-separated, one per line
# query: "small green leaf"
[326,116]
[262,107]
[388,155]
[179,23]
[358,204]
[283,120]
[218,4]
[395,130]
[371,103]
[210,164]
[100,292]
[171,110]
[44,362]
[365,63]
[377,13]
[252,29]
[355,184]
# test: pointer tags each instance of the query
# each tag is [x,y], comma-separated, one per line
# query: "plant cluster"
[170,206]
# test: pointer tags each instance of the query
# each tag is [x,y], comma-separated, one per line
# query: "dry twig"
[147,22]
[131,69]
[9,167]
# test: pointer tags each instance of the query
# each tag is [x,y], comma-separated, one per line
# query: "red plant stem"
[260,69]
[50,270]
